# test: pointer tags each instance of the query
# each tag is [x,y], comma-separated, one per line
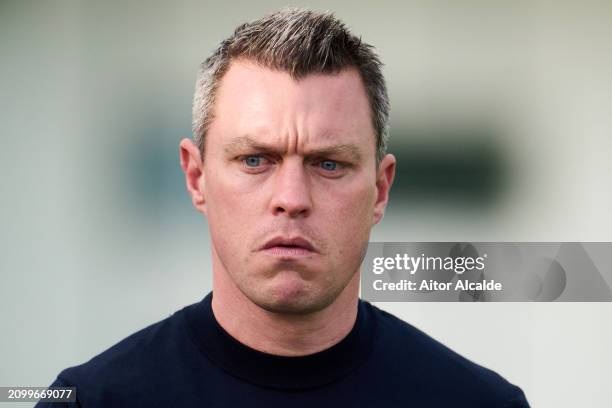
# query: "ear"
[191,163]
[384,180]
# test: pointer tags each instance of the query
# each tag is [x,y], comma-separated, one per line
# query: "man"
[289,167]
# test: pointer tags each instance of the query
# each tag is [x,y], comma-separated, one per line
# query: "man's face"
[290,185]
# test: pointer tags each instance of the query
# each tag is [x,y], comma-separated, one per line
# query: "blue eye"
[329,165]
[252,161]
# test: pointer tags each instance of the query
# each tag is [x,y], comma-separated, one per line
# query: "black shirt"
[189,360]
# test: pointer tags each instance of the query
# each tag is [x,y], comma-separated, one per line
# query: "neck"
[282,334]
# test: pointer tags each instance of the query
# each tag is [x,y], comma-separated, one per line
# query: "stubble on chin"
[294,297]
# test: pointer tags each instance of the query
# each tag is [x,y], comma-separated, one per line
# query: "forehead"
[271,106]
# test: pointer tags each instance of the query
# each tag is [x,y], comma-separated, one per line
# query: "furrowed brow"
[242,143]
[344,150]
[246,142]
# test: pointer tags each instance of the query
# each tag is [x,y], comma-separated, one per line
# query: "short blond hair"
[299,42]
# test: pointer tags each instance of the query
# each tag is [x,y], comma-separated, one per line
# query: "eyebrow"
[247,142]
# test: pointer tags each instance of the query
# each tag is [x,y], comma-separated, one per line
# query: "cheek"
[229,215]
[350,211]
[227,197]
[348,228]
[358,201]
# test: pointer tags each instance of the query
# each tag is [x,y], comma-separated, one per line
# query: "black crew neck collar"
[281,372]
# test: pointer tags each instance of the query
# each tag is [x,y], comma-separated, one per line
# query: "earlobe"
[384,180]
[191,163]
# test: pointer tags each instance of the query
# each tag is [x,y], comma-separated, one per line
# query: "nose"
[292,191]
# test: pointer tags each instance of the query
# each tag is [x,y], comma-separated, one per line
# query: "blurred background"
[500,120]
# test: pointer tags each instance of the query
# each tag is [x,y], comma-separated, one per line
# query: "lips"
[285,246]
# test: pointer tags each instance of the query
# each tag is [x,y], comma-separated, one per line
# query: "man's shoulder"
[435,366]
[134,358]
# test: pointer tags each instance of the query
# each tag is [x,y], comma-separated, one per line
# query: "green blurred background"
[500,121]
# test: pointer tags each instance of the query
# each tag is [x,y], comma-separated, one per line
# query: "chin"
[292,297]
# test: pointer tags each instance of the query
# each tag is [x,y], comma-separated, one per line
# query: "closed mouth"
[289,246]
